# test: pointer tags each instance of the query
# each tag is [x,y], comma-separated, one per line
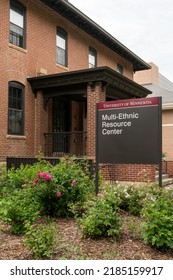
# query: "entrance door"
[61,126]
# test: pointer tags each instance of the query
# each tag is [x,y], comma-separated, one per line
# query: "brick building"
[56,64]
[160,86]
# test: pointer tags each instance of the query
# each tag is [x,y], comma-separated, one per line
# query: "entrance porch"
[65,108]
[58,144]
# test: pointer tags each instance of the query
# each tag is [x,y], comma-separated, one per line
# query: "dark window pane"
[15,109]
[16,35]
[92,57]
[119,68]
[61,47]
[60,56]
[17,24]
[15,122]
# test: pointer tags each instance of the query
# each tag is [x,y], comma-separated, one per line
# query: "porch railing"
[58,144]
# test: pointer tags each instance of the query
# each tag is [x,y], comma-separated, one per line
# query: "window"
[61,47]
[119,68]
[17,24]
[15,108]
[92,57]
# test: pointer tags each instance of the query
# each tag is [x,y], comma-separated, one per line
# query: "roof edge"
[84,76]
[78,18]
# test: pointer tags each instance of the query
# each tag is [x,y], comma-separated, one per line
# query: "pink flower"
[47,177]
[59,194]
[100,195]
[74,182]
[35,181]
[39,173]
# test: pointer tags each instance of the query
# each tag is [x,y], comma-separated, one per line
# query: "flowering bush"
[25,173]
[60,186]
[73,183]
[46,192]
[57,188]
[102,217]
[132,198]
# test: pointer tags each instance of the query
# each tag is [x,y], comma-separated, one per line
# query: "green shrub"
[67,183]
[56,188]
[102,217]
[46,190]
[18,209]
[157,229]
[41,240]
[79,208]
[136,200]
[3,177]
[132,198]
[3,171]
[25,173]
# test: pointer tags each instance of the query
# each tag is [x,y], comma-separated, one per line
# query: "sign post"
[129,131]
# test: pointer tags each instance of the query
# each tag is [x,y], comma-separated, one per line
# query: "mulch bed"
[72,246]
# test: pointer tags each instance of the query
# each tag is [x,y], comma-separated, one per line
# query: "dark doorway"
[61,125]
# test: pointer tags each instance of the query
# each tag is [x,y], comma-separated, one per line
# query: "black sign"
[129,131]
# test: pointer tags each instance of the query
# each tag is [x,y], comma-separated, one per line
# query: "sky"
[143,26]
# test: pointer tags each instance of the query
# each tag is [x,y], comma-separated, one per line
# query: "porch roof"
[73,84]
[71,13]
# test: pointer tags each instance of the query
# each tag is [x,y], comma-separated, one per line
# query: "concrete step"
[164,176]
[169,187]
[166,181]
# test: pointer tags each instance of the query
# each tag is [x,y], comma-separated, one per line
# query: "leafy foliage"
[102,217]
[67,190]
[60,186]
[25,173]
[2,171]
[41,240]
[74,184]
[132,198]
[157,229]
[18,209]
[56,188]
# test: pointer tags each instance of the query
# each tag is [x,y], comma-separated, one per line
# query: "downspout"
[35,124]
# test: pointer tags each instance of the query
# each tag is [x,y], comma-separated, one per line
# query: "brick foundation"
[128,172]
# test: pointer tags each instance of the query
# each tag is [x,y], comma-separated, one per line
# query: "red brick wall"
[95,94]
[41,124]
[17,64]
[134,172]
[128,172]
